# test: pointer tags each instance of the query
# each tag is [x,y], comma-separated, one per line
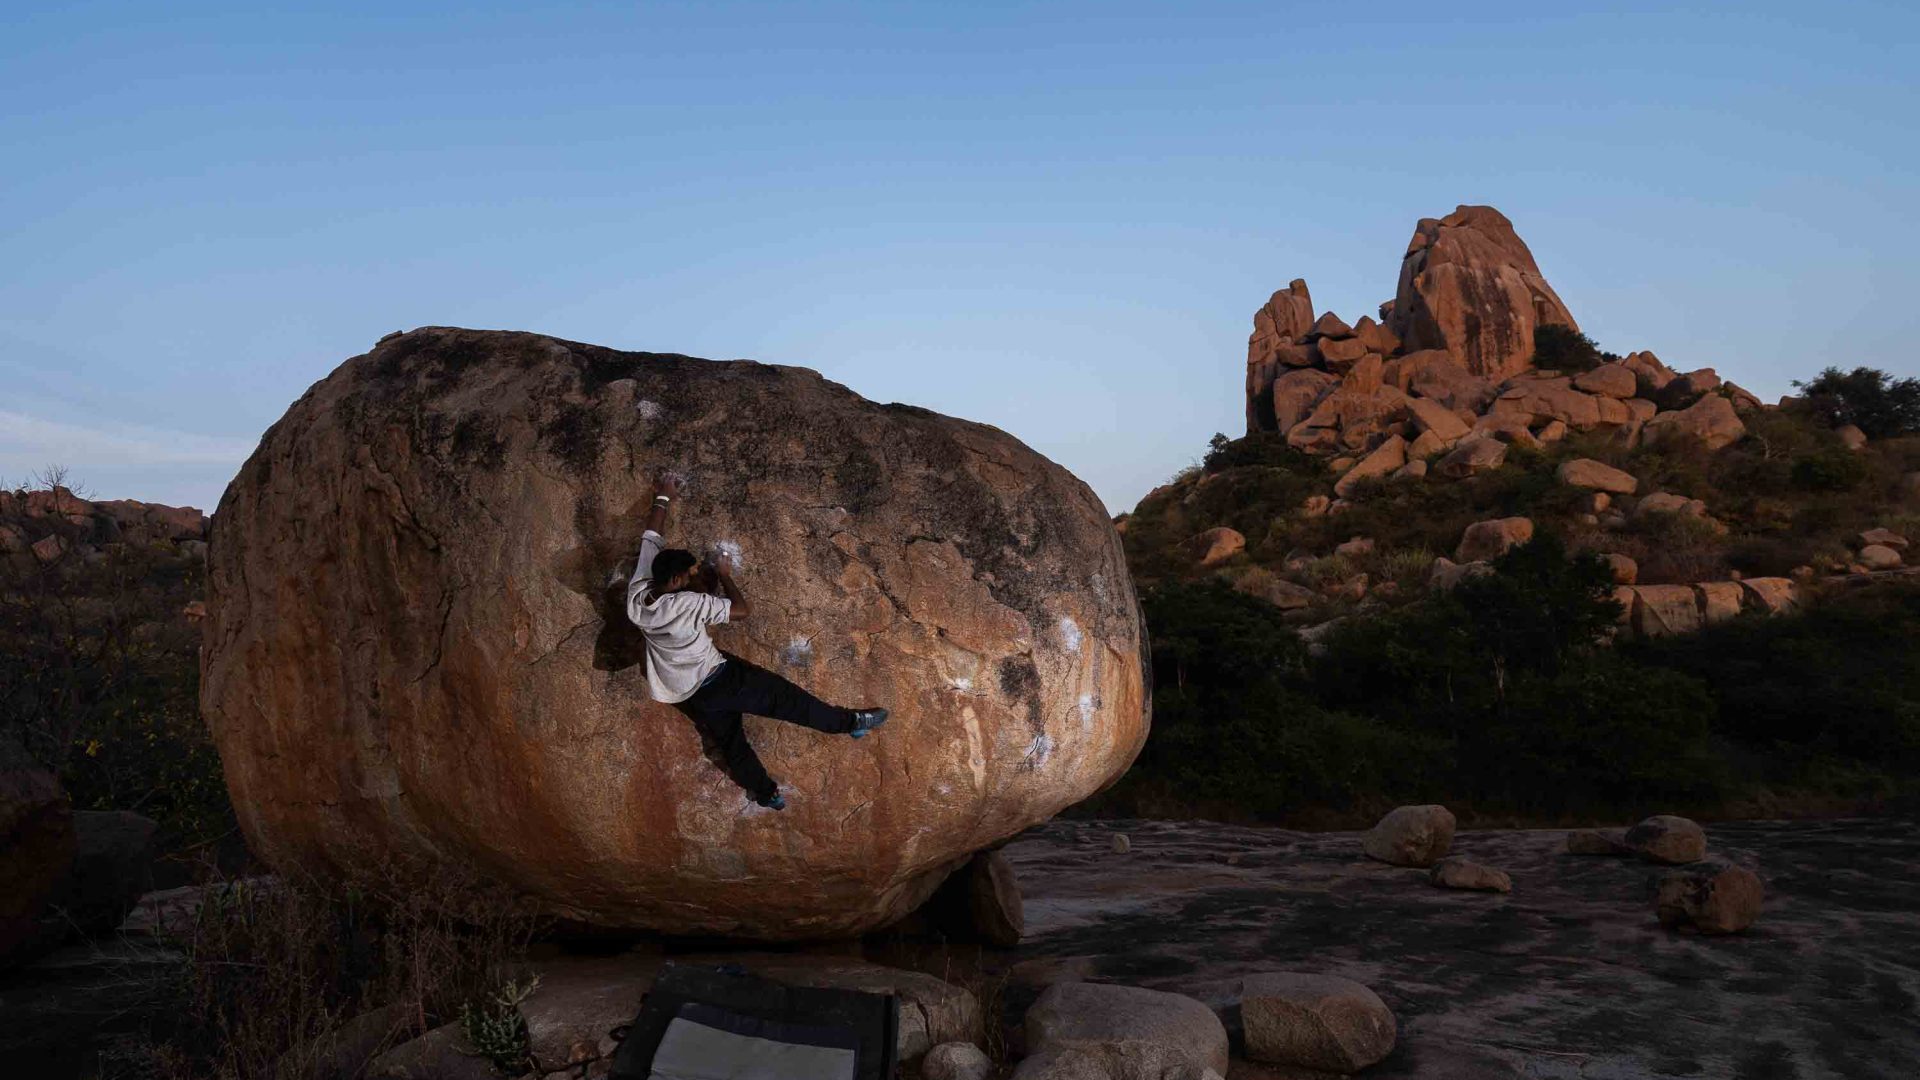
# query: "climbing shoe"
[775,801]
[865,720]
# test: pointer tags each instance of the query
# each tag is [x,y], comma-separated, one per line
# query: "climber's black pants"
[739,688]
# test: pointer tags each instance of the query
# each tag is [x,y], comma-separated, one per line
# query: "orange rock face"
[415,646]
[1469,285]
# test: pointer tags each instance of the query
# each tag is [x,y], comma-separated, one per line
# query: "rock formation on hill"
[52,524]
[1469,286]
[1449,370]
[415,647]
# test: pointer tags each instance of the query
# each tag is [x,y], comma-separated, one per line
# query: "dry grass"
[269,967]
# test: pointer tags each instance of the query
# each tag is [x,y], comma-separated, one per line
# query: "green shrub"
[1562,348]
[1870,399]
[1830,468]
[1840,681]
[1259,448]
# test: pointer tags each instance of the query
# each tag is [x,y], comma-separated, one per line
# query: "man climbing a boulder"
[671,598]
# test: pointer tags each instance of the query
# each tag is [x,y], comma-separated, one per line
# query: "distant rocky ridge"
[53,524]
[1447,375]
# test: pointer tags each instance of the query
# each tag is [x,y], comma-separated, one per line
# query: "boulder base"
[417,581]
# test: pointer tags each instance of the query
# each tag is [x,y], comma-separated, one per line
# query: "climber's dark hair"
[670,564]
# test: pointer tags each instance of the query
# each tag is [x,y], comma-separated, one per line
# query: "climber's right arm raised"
[737,606]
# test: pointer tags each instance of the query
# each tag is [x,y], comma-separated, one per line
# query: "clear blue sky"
[1056,218]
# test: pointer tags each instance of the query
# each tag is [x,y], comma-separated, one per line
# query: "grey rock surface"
[1569,976]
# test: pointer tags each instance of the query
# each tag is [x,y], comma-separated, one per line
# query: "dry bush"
[269,966]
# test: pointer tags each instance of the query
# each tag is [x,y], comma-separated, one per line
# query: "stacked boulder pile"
[1444,381]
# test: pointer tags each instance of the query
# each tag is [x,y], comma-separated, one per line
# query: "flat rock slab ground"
[1570,976]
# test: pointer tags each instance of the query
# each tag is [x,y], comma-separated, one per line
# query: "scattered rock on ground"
[1885,538]
[1490,539]
[1712,421]
[1667,838]
[1597,476]
[1771,595]
[1459,872]
[1079,1015]
[1474,455]
[1315,1021]
[1713,896]
[1446,573]
[1661,610]
[1625,571]
[956,1061]
[1879,557]
[1719,600]
[1121,844]
[1411,836]
[1216,545]
[1851,437]
[1608,380]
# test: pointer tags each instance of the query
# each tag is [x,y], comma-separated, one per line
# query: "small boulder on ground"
[1661,610]
[1885,538]
[980,902]
[1625,571]
[1416,836]
[1879,557]
[1667,838]
[1216,545]
[1770,595]
[1446,573]
[1474,455]
[1662,502]
[1315,1022]
[1851,437]
[1719,600]
[1490,539]
[1713,896]
[1460,872]
[1084,1015]
[1608,380]
[956,1061]
[1597,476]
[1356,547]
[1598,842]
[1711,421]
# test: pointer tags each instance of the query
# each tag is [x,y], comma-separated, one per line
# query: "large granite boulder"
[36,848]
[1469,285]
[415,648]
